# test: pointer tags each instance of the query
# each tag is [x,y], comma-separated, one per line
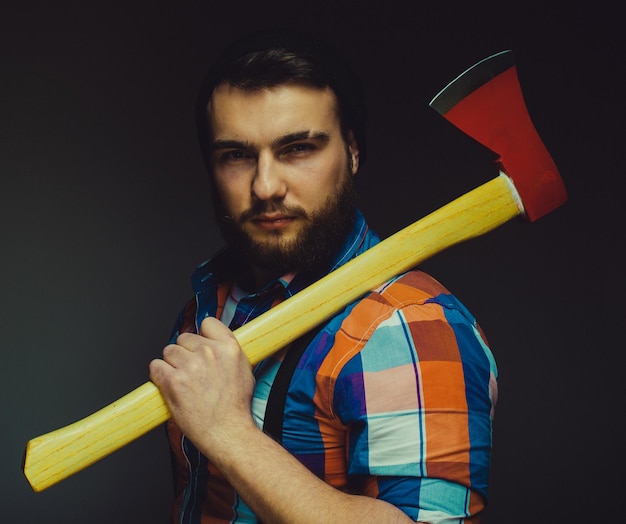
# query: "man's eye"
[300,148]
[233,156]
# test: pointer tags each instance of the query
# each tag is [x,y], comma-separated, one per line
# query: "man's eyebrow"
[230,144]
[300,135]
[277,143]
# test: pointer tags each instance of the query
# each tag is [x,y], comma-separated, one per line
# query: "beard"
[317,244]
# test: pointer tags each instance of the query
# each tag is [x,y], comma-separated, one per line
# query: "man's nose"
[268,182]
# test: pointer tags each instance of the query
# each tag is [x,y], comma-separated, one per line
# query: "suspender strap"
[275,409]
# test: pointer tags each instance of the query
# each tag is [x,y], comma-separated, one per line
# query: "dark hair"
[269,58]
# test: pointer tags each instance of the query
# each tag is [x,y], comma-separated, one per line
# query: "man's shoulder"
[415,293]
[414,286]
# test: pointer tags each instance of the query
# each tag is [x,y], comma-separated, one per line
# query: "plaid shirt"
[393,398]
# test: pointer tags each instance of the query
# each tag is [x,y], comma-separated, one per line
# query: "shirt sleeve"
[418,399]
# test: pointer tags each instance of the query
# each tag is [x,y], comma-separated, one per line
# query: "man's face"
[283,174]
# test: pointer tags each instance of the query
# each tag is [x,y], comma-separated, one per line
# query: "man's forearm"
[279,489]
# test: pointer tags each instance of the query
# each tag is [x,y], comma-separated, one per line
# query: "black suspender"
[275,409]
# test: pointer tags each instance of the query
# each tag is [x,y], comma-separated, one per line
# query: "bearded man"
[384,413]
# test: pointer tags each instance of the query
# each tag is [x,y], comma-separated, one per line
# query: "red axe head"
[486,102]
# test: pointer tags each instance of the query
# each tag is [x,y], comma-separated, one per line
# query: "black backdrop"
[105,212]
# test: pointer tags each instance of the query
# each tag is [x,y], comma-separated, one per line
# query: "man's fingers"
[173,354]
[212,333]
[221,340]
[157,371]
[212,328]
[194,354]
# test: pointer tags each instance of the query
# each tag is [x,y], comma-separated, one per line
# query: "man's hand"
[207,383]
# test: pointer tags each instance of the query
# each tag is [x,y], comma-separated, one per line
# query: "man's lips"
[273,221]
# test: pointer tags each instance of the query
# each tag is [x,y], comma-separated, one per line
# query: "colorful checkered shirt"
[393,399]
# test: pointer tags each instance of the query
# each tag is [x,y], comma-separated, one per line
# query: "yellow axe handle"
[55,456]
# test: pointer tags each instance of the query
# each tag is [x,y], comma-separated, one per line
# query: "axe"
[485,102]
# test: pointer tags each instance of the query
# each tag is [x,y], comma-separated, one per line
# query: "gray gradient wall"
[104,213]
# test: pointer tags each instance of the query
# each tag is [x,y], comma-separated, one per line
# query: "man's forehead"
[224,91]
[268,113]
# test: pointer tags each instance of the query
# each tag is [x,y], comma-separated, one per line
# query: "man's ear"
[353,151]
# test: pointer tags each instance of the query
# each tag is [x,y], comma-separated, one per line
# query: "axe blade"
[486,102]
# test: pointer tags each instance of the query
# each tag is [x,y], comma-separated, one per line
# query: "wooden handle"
[55,456]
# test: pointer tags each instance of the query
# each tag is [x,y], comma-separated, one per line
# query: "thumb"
[213,328]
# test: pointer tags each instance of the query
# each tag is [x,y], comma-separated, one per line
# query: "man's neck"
[261,278]
[258,279]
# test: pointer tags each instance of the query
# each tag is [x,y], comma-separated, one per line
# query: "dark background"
[105,213]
